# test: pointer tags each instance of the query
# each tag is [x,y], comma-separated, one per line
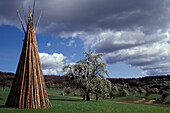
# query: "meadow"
[71,104]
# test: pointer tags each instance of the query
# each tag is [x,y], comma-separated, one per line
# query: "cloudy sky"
[133,34]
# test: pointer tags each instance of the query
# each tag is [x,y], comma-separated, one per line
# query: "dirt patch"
[139,101]
[150,102]
[129,99]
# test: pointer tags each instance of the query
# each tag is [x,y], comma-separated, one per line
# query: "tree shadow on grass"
[66,99]
[2,106]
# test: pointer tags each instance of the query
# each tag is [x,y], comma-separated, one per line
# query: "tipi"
[28,89]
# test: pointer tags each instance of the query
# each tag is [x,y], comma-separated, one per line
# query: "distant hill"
[6,73]
[61,79]
[141,79]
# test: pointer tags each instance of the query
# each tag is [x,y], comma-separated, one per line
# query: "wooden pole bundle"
[28,89]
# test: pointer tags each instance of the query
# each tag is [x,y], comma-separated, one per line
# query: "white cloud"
[52,63]
[150,52]
[48,44]
[71,42]
[50,72]
[72,56]
[51,60]
[109,41]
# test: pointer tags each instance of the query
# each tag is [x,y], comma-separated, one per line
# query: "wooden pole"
[37,99]
[38,20]
[41,74]
[24,16]
[33,10]
[21,22]
[24,74]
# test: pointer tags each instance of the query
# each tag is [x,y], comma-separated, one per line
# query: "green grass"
[154,96]
[72,105]
[54,90]
[166,82]
[167,99]
[67,105]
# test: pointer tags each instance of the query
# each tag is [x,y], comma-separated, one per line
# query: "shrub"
[156,91]
[62,93]
[120,89]
[125,92]
[75,93]
[147,94]
[168,84]
[142,91]
[146,88]
[164,96]
[124,85]
[67,90]
[160,91]
[134,92]
[111,95]
[114,88]
[49,84]
[136,89]
[151,91]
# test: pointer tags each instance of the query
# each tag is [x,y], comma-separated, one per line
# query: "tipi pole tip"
[21,21]
[38,20]
[24,15]
[33,9]
[29,11]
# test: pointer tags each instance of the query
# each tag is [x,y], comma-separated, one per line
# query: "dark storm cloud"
[92,15]
[96,15]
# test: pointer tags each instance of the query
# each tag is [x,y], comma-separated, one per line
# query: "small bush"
[160,91]
[136,89]
[124,92]
[62,93]
[134,92]
[111,95]
[147,94]
[67,90]
[156,91]
[114,88]
[142,91]
[164,96]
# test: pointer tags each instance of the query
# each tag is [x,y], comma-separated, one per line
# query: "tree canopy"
[88,74]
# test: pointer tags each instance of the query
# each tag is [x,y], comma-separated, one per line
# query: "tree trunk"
[4,84]
[87,96]
[84,97]
[97,98]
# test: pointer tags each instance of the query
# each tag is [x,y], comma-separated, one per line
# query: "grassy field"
[76,105]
